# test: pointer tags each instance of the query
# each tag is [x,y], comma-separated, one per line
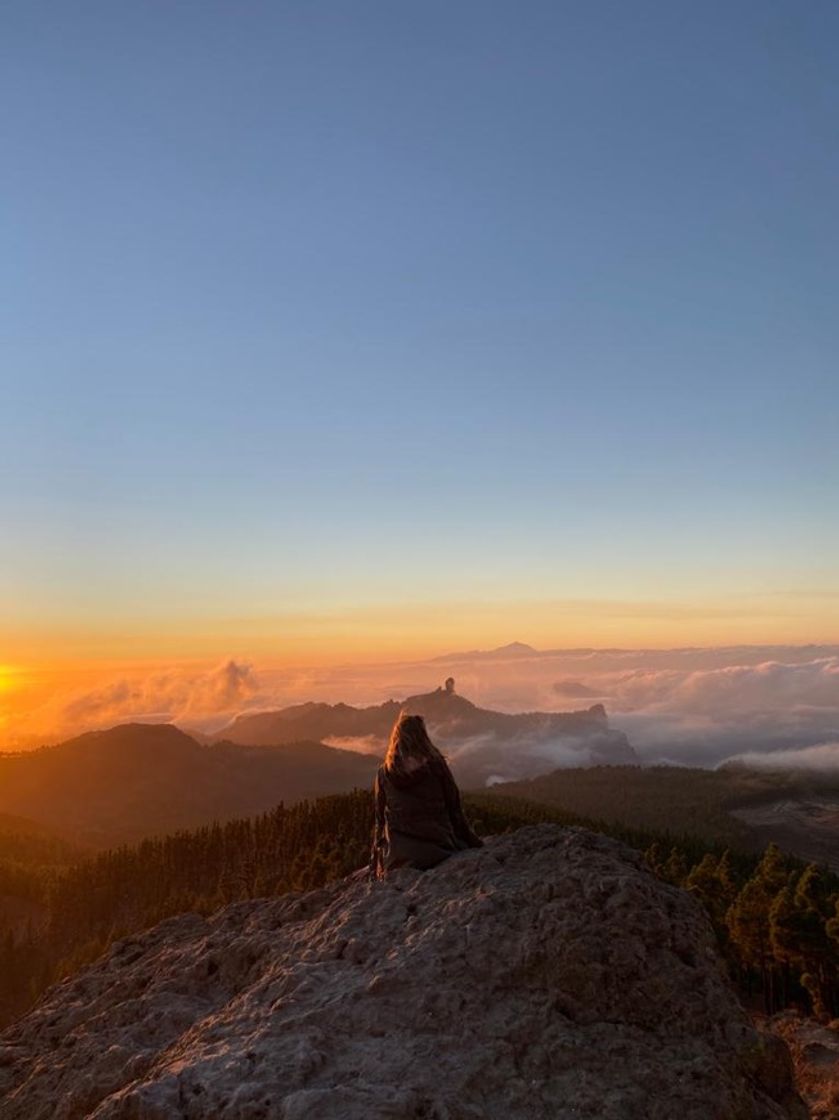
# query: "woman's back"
[419,819]
[416,805]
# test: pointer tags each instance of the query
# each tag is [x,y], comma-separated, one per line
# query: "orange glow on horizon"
[8,674]
[50,666]
[414,631]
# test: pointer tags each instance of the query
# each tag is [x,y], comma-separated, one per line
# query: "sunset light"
[419,595]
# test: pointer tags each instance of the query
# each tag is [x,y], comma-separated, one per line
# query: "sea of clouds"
[688,707]
[776,706]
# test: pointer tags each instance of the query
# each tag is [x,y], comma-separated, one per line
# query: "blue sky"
[348,304]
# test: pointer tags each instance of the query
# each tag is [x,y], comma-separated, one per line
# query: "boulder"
[546,976]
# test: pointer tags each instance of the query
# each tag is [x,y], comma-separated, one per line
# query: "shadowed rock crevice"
[547,975]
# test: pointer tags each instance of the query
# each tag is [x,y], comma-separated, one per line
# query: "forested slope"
[776,920]
[671,799]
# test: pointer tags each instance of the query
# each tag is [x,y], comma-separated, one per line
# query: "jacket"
[419,820]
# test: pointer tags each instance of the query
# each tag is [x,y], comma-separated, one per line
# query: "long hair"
[409,740]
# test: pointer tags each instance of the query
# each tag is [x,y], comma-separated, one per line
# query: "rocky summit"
[547,976]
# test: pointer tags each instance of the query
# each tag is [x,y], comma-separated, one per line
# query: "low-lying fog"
[693,707]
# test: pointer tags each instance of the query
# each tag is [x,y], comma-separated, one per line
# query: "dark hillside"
[136,780]
[677,799]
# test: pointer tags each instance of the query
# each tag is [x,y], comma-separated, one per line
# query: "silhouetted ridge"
[136,779]
[509,742]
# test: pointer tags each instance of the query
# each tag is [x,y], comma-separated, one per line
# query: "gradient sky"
[332,325]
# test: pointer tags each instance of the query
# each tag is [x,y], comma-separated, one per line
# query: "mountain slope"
[134,780]
[797,810]
[137,779]
[548,974]
[13,825]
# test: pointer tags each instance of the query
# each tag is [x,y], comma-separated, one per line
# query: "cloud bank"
[822,757]
[696,707]
[168,695]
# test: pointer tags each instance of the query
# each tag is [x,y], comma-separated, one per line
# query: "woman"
[419,819]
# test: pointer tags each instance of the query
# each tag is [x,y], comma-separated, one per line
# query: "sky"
[349,331]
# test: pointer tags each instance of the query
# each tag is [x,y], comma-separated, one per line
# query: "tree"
[748,920]
[800,936]
[654,859]
[711,882]
[675,869]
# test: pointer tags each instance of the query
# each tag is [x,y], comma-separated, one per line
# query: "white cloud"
[822,756]
[162,696]
[362,744]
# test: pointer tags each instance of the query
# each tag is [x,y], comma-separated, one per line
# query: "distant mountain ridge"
[138,779]
[451,714]
[501,653]
[14,825]
[506,740]
[707,656]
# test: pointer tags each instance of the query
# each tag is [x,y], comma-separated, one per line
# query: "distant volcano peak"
[500,653]
[515,648]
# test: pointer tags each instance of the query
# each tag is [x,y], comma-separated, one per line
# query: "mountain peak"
[546,974]
[515,649]
[124,735]
[500,653]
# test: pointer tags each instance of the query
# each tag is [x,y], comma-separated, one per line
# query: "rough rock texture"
[815,1055]
[547,976]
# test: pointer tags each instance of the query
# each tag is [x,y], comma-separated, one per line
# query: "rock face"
[547,976]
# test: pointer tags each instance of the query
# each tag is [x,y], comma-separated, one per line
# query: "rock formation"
[480,743]
[546,976]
